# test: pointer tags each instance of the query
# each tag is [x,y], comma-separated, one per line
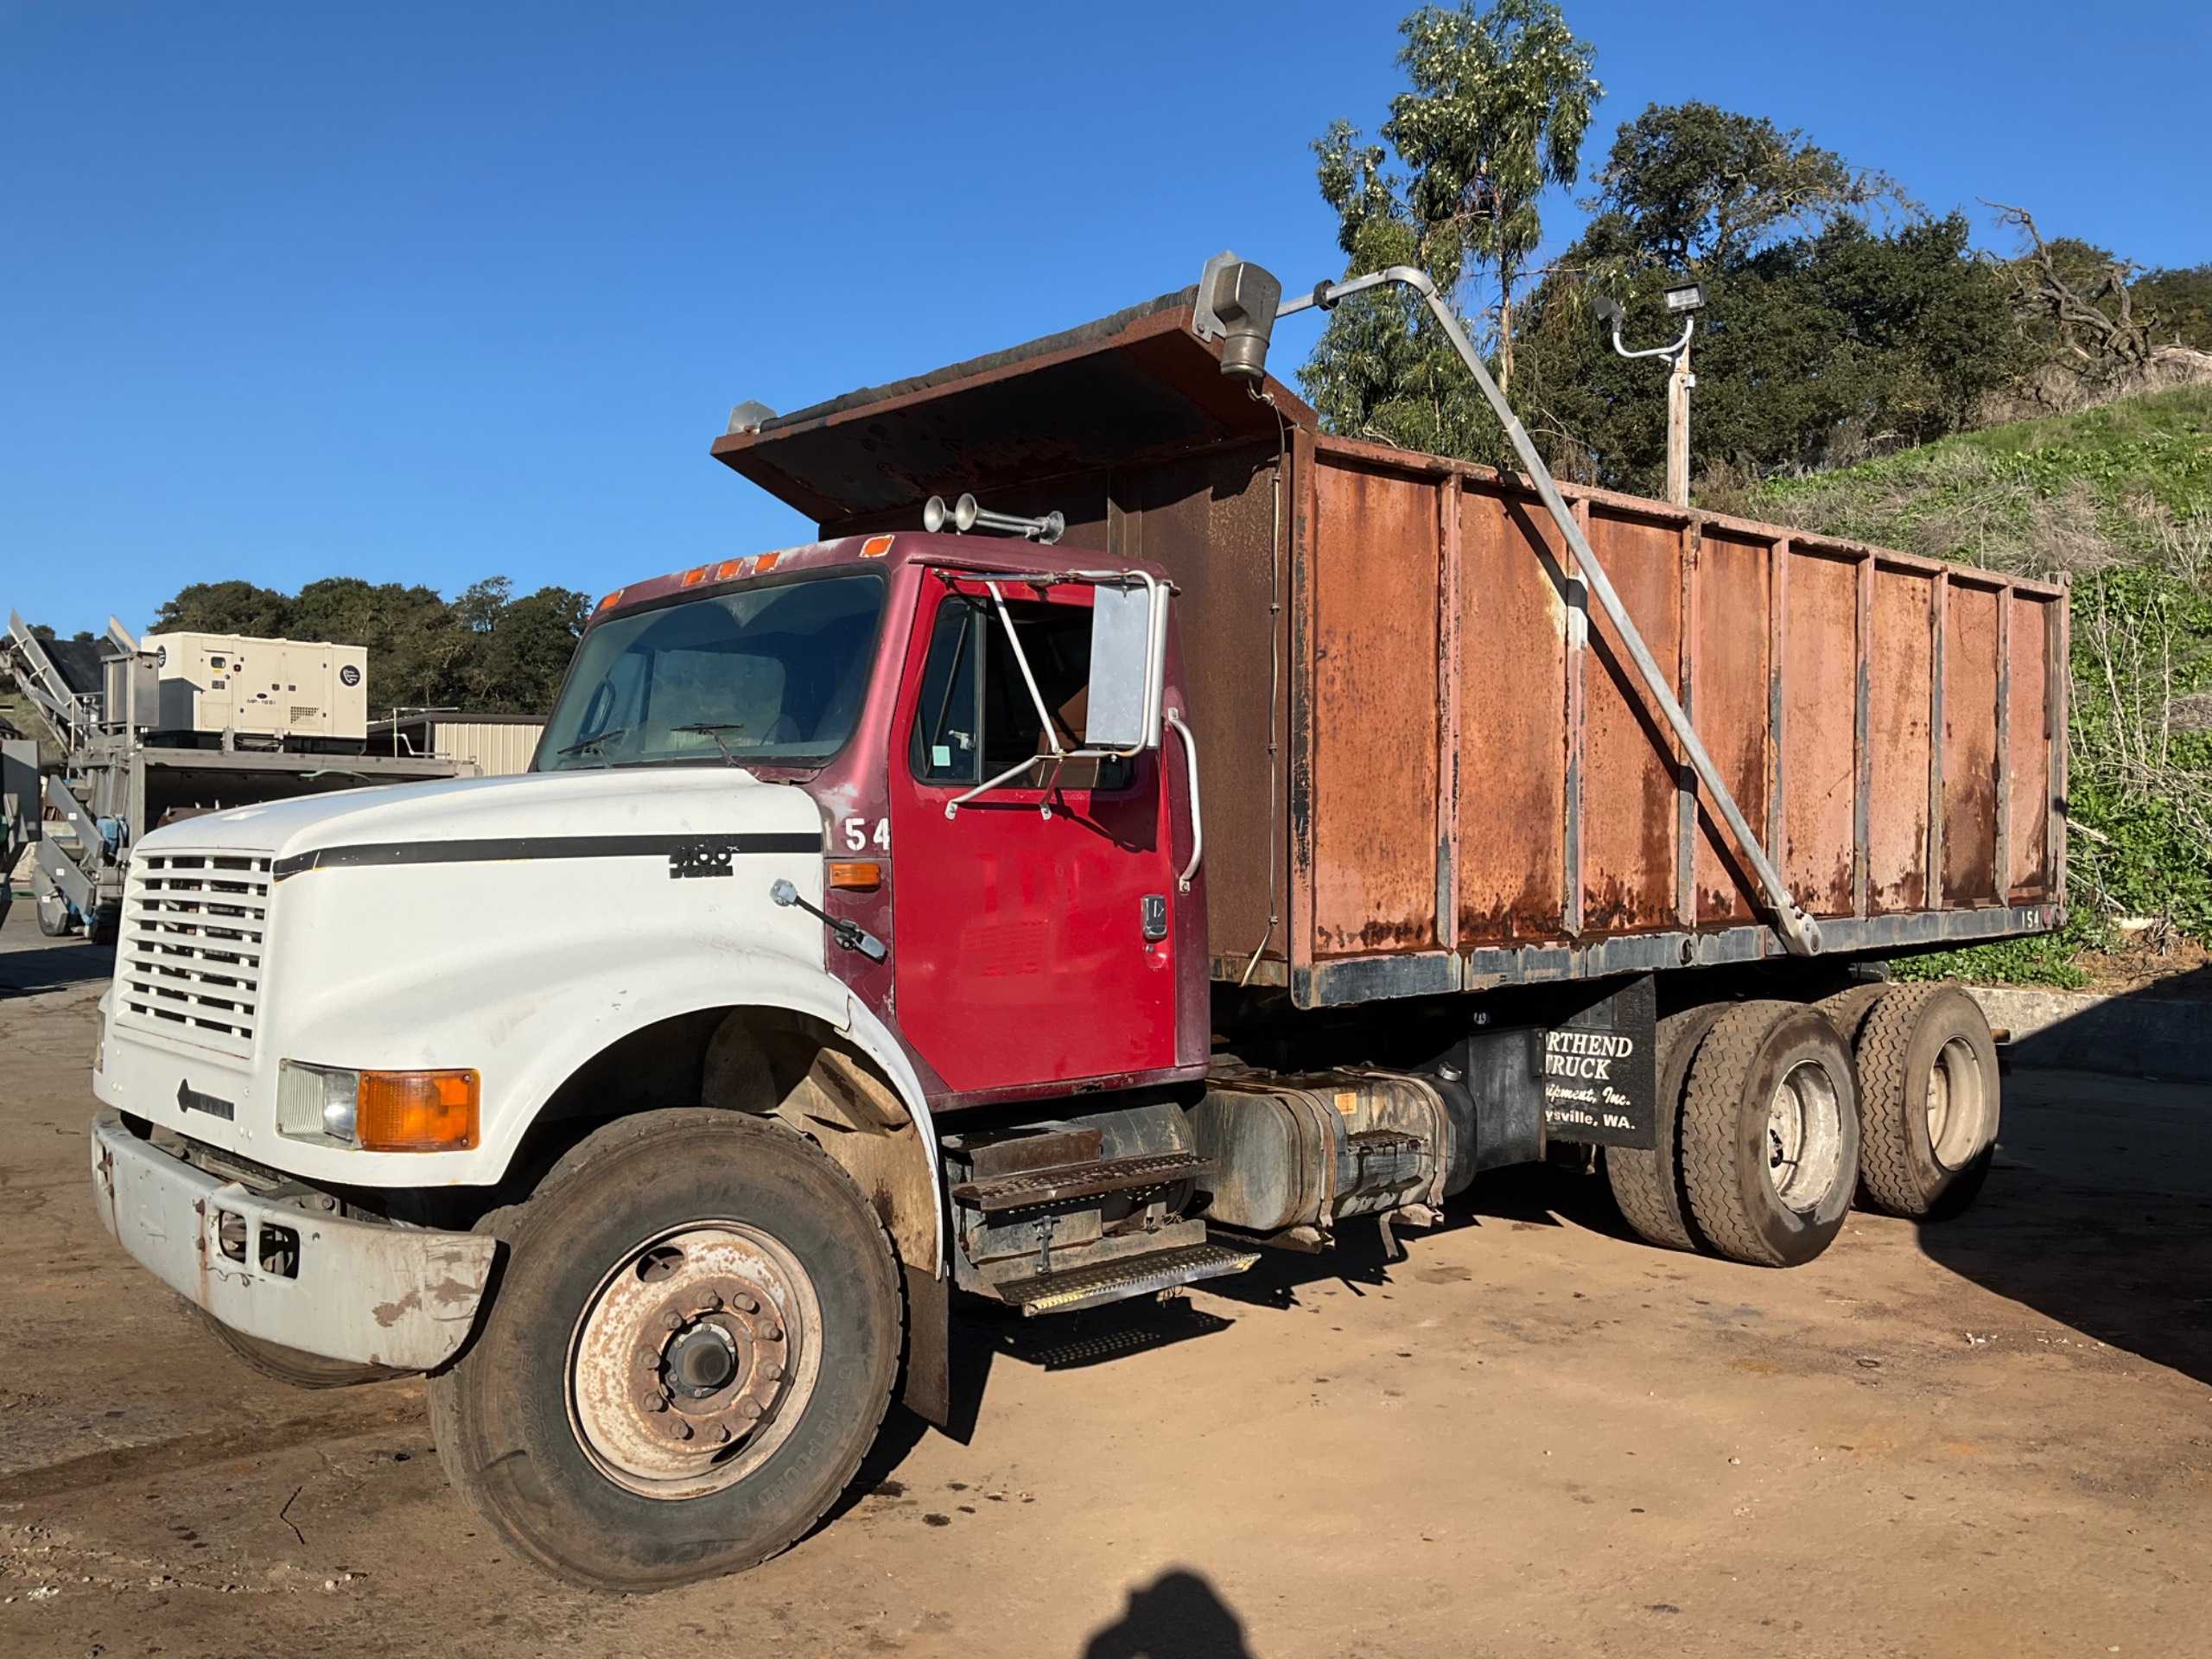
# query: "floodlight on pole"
[1684,301]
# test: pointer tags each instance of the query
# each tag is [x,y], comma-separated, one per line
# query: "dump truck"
[1146,830]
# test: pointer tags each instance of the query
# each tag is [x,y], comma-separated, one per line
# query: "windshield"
[773,674]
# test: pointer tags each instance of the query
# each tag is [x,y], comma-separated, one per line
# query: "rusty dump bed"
[1428,767]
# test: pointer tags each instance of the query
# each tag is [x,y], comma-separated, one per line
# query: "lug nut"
[745,1304]
[671,1320]
[748,1409]
[647,1359]
[771,1332]
[772,1372]
[710,1302]
[722,1436]
[651,1403]
[681,1429]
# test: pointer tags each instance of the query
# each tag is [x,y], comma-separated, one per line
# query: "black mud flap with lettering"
[1596,1074]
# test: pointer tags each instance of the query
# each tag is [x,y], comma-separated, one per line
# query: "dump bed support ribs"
[1798,930]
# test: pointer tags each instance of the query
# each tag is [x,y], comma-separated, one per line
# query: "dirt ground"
[1533,1437]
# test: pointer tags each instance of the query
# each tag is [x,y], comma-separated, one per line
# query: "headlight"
[317,1102]
[379,1111]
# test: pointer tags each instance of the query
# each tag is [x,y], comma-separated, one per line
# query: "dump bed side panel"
[1495,796]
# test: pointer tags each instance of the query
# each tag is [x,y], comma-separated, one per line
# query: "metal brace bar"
[1798,931]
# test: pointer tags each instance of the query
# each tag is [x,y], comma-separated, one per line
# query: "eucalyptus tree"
[1494,115]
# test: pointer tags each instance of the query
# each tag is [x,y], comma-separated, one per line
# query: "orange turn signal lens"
[860,877]
[875,547]
[416,1111]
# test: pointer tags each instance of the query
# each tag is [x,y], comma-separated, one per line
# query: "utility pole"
[1684,302]
[1678,427]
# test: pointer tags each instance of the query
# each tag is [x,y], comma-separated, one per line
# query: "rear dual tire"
[1928,1069]
[1757,1135]
[1648,1185]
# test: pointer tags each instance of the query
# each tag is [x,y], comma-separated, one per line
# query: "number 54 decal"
[859,835]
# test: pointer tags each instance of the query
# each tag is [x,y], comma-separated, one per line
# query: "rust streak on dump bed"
[1817,694]
[1376,769]
[1513,630]
[2028,777]
[1628,794]
[1468,782]
[1970,746]
[1731,709]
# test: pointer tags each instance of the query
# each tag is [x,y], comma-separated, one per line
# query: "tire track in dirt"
[393,1405]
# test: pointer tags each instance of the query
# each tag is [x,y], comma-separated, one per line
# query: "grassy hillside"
[2120,500]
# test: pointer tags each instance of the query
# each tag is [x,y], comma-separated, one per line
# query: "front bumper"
[358,1291]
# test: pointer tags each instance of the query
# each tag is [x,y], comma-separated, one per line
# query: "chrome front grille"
[194,930]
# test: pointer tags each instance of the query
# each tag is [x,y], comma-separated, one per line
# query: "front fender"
[690,986]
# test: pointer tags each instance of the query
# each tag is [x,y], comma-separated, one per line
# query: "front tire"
[1771,1133]
[692,1343]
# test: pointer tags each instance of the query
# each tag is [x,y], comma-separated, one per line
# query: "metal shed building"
[497,746]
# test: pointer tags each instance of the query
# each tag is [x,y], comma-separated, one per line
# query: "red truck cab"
[1051,937]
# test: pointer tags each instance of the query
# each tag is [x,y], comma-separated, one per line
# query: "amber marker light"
[875,547]
[614,598]
[857,877]
[417,1111]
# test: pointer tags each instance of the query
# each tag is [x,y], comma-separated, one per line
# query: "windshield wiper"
[594,741]
[715,728]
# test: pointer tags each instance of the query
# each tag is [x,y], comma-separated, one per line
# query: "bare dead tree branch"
[2095,322]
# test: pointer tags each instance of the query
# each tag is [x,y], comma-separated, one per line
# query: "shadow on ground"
[2098,1213]
[53,967]
[1179,1615]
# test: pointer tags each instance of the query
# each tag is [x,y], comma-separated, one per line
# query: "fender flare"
[832,1003]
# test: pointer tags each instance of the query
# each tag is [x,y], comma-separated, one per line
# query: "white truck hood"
[517,927]
[658,800]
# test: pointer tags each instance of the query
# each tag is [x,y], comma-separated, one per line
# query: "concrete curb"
[2127,1036]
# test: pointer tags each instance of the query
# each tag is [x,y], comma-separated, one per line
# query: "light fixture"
[1686,298]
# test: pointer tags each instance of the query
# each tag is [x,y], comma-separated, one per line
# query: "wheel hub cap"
[694,1359]
[1804,1137]
[1956,1105]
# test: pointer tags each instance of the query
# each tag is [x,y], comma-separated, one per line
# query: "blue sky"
[427,293]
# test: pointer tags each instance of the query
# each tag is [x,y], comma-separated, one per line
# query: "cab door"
[1035,923]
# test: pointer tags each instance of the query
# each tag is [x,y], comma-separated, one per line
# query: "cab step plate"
[1034,1186]
[1115,1282]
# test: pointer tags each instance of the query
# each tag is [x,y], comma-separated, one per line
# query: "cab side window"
[976,717]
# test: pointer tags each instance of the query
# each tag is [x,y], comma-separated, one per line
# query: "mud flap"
[927,1388]
[1596,1071]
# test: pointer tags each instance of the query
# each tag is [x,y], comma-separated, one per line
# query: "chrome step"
[1033,1186]
[1115,1282]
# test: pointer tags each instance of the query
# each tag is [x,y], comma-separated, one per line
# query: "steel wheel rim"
[1804,1137]
[1956,1103]
[719,1323]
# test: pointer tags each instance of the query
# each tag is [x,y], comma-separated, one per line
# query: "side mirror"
[1129,666]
